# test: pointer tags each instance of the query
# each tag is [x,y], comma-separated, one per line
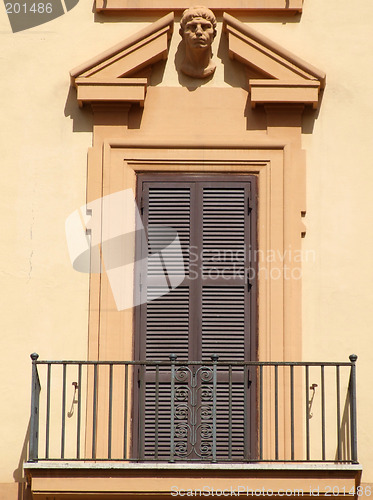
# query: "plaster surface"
[44,144]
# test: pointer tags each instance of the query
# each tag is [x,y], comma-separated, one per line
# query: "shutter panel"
[225,231]
[157,445]
[166,313]
[225,328]
[168,208]
[165,316]
[223,322]
[231,419]
[167,323]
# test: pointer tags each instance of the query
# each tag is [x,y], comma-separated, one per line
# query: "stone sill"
[67,480]
[107,465]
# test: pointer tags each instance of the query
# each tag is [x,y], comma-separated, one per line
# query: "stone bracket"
[280,92]
[131,90]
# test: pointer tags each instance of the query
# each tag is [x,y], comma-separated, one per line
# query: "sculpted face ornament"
[198,30]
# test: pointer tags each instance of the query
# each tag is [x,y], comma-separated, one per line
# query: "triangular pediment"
[285,77]
[119,74]
[114,74]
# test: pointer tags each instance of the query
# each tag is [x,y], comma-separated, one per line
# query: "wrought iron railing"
[214,411]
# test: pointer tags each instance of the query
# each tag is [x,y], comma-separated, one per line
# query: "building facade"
[185,253]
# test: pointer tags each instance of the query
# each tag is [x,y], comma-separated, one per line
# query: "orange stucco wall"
[44,143]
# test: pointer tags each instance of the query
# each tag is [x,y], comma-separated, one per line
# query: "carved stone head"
[198,30]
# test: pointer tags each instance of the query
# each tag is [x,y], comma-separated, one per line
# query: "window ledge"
[104,465]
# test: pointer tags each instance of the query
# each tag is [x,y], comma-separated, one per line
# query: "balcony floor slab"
[105,480]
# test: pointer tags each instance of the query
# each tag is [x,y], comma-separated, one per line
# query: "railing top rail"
[199,363]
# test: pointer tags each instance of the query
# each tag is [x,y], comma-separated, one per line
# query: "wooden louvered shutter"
[225,268]
[227,305]
[213,309]
[165,315]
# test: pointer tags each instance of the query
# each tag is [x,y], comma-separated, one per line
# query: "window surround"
[279,228]
[111,332]
[274,155]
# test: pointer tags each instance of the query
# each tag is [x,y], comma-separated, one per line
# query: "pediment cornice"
[115,75]
[286,78]
[109,77]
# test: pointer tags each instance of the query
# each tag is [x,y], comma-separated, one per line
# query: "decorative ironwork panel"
[194,412]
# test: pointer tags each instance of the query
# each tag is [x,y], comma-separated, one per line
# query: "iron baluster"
[34,421]
[353,359]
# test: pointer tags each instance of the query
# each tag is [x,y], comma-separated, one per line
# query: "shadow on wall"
[186,81]
[256,119]
[150,17]
[345,433]
[82,117]
[278,18]
[236,75]
[132,18]
[24,492]
[310,115]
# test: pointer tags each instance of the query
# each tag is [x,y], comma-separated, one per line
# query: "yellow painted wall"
[337,287]
[44,141]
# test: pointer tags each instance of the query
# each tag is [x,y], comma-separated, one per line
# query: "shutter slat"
[167,323]
[168,208]
[223,331]
[221,208]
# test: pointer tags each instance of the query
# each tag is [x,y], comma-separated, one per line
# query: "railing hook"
[70,413]
[310,402]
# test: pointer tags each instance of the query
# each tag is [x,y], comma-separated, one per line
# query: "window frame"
[278,169]
[252,306]
[280,172]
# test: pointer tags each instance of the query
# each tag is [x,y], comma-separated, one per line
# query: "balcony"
[193,412]
[157,429]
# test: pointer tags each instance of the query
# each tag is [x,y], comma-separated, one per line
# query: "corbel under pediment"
[286,79]
[109,77]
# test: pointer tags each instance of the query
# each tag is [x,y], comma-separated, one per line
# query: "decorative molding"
[247,6]
[280,170]
[119,90]
[113,76]
[276,91]
[286,77]
[198,30]
[105,78]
